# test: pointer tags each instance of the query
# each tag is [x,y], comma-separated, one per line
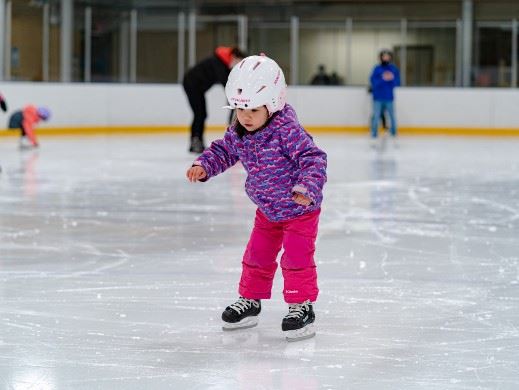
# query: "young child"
[286,173]
[25,120]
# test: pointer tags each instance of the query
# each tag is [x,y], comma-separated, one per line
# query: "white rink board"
[76,105]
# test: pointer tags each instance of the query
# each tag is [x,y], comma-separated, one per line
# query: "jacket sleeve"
[375,78]
[396,81]
[310,160]
[29,131]
[220,156]
[30,118]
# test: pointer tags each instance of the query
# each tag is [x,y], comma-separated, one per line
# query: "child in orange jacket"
[25,120]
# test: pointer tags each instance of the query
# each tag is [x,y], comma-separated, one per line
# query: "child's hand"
[196,173]
[302,200]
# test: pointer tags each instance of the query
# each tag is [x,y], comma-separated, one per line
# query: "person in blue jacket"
[384,78]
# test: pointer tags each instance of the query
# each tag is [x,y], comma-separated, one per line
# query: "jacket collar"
[281,118]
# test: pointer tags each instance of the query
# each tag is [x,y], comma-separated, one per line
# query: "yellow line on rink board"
[454,131]
[143,130]
[460,131]
[107,130]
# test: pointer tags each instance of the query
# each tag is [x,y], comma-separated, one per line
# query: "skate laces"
[297,310]
[243,304]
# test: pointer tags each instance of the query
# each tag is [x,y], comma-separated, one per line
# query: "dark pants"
[197,102]
[16,122]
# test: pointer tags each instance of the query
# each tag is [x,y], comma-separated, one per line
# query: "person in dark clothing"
[321,78]
[3,103]
[199,79]
[3,106]
[335,79]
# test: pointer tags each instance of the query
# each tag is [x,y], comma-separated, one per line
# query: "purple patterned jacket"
[280,159]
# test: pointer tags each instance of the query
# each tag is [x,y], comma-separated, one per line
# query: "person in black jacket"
[3,104]
[199,79]
[320,78]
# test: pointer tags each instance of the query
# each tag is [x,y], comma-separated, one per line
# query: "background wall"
[26,48]
[328,46]
[87,105]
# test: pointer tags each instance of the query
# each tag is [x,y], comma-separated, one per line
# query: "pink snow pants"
[297,236]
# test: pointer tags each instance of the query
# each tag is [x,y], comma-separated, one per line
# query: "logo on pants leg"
[291,291]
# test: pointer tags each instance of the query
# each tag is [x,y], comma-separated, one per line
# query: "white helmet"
[254,82]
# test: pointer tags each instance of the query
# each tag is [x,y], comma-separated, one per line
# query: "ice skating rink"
[114,269]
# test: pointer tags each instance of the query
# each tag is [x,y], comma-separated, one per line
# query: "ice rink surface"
[114,269]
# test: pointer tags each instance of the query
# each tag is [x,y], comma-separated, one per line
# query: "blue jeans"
[380,106]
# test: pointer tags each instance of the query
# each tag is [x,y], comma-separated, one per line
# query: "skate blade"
[300,334]
[247,322]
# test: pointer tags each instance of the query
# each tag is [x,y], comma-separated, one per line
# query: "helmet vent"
[240,91]
[261,89]
[257,64]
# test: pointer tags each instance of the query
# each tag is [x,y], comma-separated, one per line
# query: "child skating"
[26,120]
[286,173]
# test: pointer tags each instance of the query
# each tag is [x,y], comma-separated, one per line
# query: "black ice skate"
[197,145]
[241,314]
[298,324]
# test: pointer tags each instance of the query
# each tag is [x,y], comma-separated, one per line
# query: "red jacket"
[224,54]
